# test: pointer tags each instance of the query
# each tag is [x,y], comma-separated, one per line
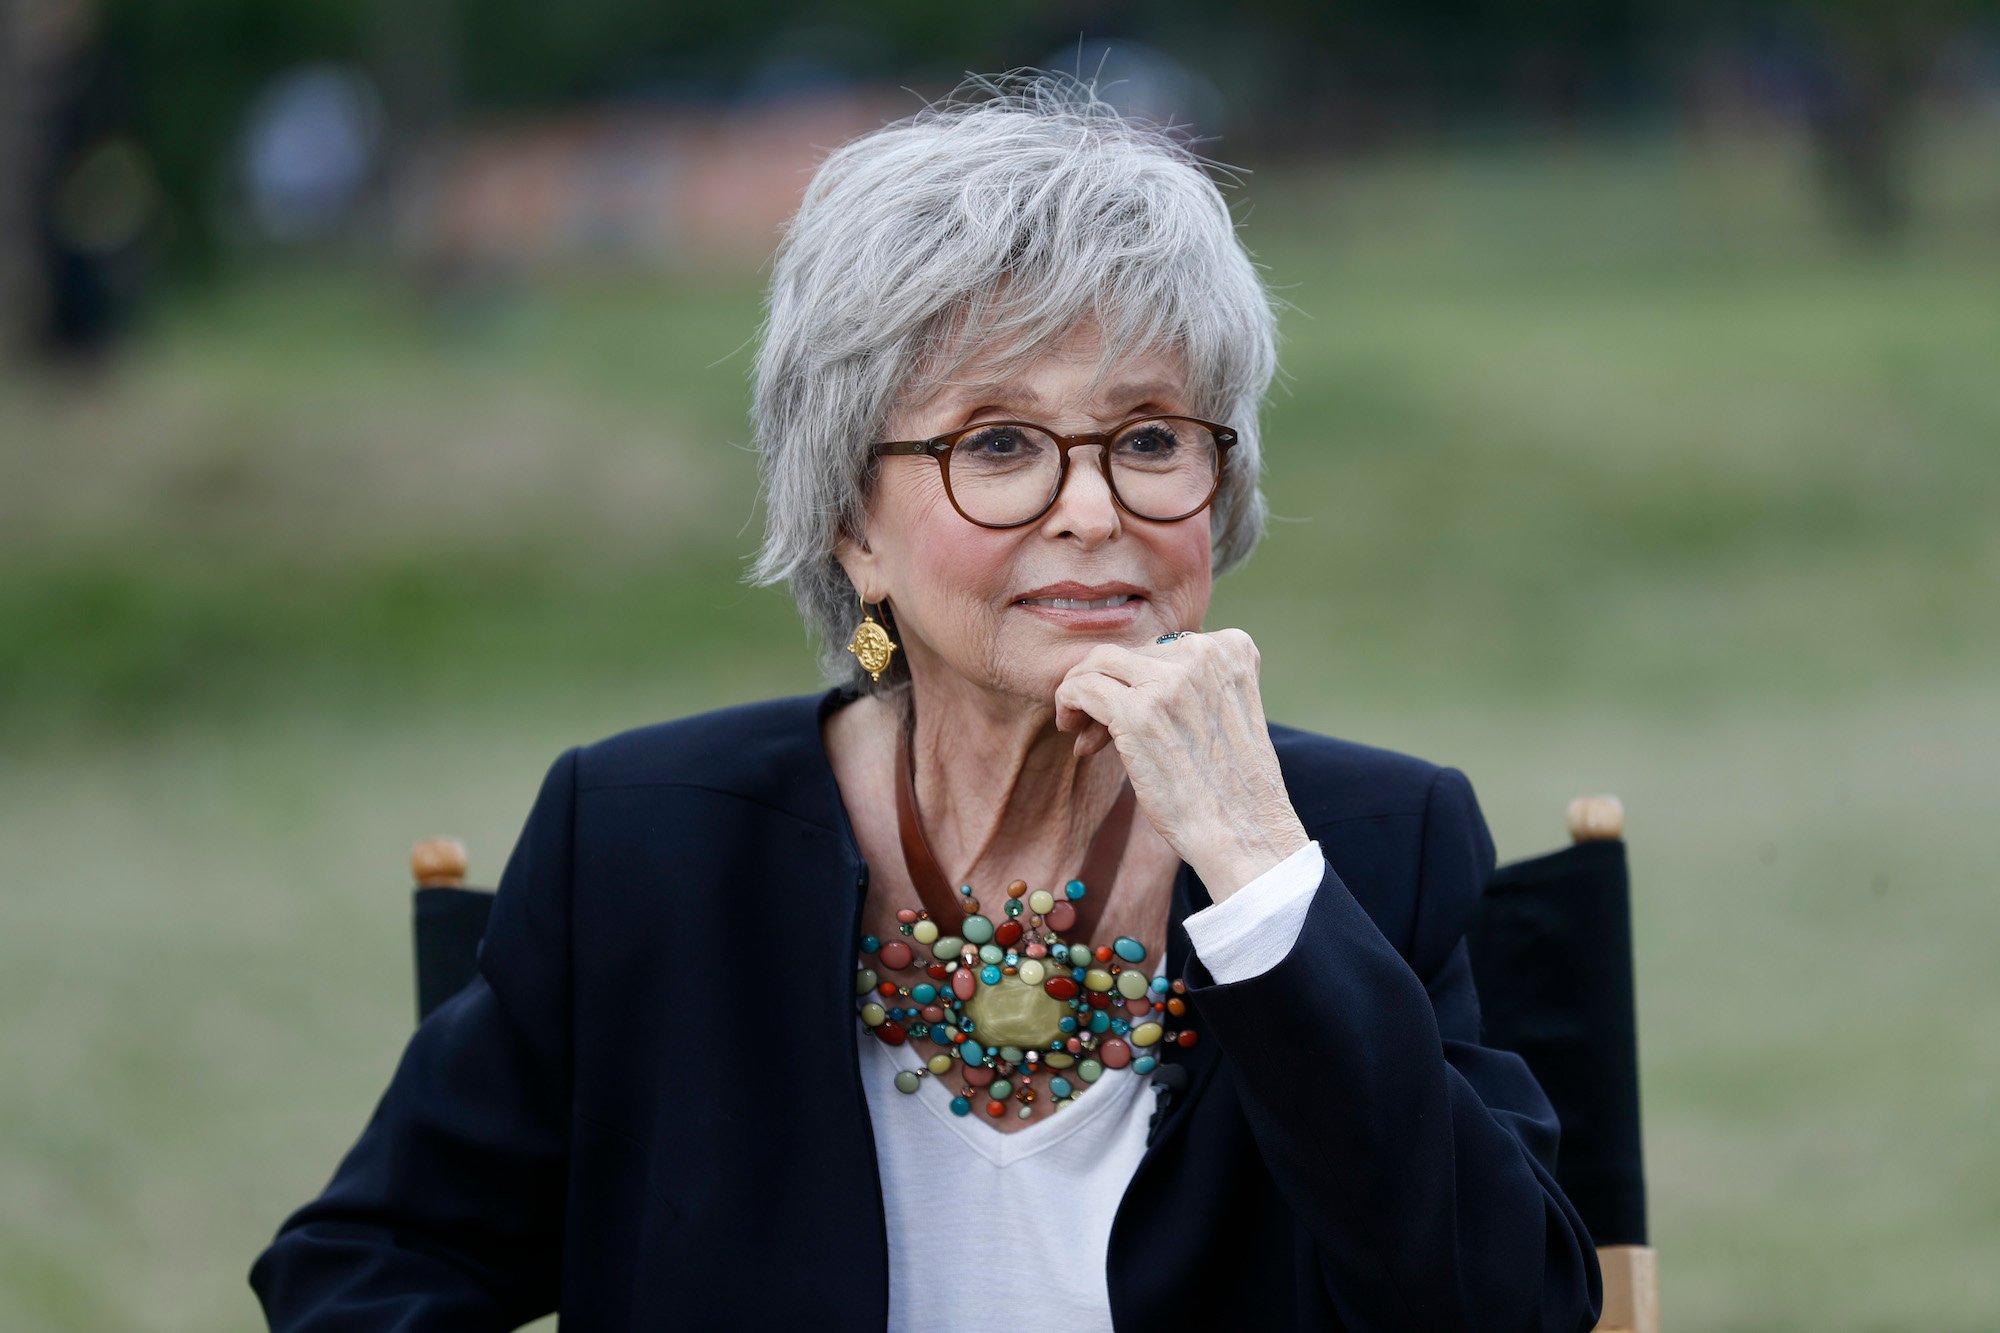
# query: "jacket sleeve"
[1419,1160]
[448,1211]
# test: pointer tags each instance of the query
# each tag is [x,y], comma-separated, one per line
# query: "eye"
[995,442]
[1149,439]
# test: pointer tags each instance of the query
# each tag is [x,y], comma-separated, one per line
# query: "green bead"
[977,930]
[946,949]
[1090,1071]
[1024,1113]
[1132,984]
[999,1089]
[864,980]
[907,1081]
[1013,907]
[1011,1054]
[991,953]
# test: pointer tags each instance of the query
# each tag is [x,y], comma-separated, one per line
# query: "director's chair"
[1551,955]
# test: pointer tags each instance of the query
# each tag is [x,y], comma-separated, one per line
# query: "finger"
[1127,665]
[1087,697]
[1093,738]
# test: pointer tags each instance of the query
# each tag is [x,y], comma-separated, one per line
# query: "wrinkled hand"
[1188,720]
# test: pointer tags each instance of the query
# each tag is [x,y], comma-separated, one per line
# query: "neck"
[1001,792]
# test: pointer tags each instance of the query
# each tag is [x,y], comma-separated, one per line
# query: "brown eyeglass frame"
[940,447]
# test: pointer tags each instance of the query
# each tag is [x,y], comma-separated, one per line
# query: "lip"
[1096,620]
[1086,592]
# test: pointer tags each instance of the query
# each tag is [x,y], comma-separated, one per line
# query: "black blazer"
[575,1130]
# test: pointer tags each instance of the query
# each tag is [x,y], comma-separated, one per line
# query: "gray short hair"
[1002,216]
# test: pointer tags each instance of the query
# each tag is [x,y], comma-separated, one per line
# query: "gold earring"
[871,645]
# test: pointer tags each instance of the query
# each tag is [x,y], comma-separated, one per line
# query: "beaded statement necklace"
[1015,1005]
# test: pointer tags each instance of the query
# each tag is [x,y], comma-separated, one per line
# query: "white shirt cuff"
[1252,930]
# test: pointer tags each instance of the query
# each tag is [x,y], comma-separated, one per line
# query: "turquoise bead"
[1160,985]
[1059,1086]
[960,1106]
[1129,949]
[1013,907]
[1120,1026]
[869,944]
[1074,889]
[923,994]
[972,1053]
[1099,1020]
[977,930]
[1145,1064]
[990,974]
[1066,1024]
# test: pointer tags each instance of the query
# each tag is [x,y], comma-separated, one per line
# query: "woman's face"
[972,604]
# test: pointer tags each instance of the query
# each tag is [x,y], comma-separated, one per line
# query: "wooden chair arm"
[1631,1289]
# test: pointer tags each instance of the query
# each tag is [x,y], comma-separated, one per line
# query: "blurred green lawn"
[1604,468]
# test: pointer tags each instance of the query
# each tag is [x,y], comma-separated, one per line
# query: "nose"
[1085,508]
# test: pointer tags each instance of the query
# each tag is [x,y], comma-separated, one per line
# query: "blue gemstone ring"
[1171,635]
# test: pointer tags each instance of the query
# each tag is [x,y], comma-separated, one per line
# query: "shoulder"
[1405,835]
[768,752]
[1332,780]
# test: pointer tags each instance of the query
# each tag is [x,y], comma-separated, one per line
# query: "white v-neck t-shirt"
[972,1211]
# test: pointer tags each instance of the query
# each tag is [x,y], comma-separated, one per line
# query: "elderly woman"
[1028,976]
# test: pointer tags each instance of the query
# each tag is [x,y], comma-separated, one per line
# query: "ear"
[863,565]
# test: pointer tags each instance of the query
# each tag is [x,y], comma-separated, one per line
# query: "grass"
[1597,468]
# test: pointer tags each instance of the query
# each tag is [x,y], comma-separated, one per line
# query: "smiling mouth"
[1079,603]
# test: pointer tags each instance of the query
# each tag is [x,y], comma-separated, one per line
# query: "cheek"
[1187,557]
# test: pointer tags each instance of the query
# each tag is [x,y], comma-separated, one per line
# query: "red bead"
[1007,935]
[887,990]
[1098,1000]
[936,972]
[1062,988]
[996,1109]
[1189,1037]
[891,1032]
[1103,953]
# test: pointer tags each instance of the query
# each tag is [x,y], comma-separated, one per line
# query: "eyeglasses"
[1003,474]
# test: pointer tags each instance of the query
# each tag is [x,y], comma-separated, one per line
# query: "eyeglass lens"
[1161,468]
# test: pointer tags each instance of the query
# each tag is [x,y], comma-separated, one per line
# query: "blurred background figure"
[365,364]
